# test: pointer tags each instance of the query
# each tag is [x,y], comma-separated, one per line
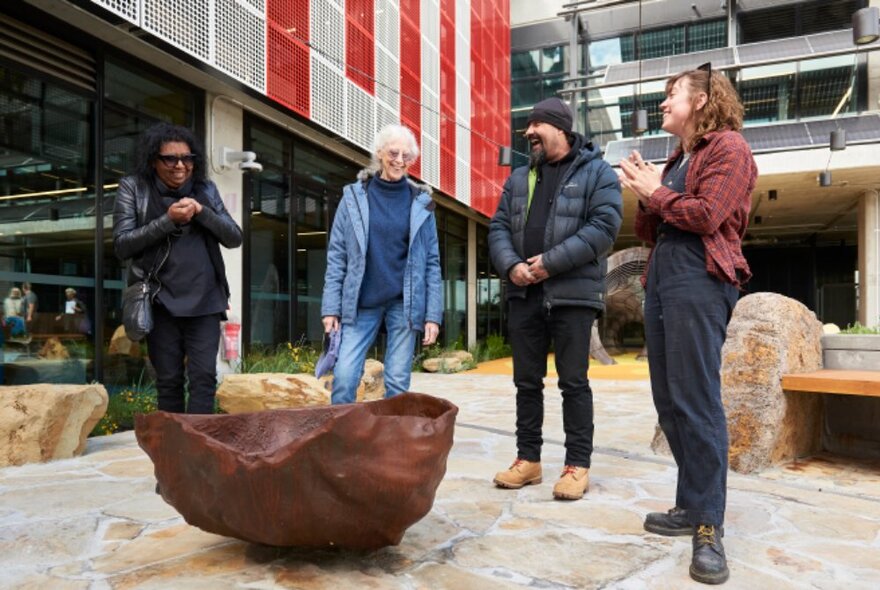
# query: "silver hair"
[386,135]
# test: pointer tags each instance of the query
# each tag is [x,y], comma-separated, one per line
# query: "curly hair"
[723,110]
[151,141]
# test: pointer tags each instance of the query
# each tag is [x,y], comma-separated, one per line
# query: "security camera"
[247,161]
[250,166]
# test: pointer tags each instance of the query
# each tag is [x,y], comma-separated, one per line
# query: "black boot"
[709,564]
[672,523]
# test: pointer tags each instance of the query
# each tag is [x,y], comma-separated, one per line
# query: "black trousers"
[532,327]
[174,339]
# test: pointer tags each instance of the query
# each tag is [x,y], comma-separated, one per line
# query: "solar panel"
[659,66]
[622,72]
[858,129]
[831,41]
[777,137]
[767,50]
[653,149]
[689,61]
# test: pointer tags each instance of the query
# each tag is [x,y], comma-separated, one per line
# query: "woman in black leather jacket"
[170,218]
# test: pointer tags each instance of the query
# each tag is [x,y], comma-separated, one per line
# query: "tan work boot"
[572,484]
[521,473]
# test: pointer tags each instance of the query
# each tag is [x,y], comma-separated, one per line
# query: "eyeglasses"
[707,67]
[405,156]
[171,160]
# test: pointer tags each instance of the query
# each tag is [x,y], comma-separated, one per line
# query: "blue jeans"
[686,316]
[357,339]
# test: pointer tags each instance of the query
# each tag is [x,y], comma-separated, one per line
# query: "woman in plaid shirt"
[694,213]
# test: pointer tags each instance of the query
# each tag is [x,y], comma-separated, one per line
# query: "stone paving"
[94,522]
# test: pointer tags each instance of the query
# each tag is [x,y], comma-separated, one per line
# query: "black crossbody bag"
[137,301]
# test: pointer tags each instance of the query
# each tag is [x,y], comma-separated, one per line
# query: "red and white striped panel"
[440,67]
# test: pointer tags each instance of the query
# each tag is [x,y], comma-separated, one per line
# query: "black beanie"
[553,111]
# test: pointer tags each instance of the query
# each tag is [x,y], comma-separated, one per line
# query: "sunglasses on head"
[707,67]
[171,160]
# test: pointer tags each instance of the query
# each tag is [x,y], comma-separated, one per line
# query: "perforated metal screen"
[354,66]
[127,9]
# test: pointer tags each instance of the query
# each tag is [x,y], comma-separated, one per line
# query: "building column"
[225,125]
[869,258]
[471,283]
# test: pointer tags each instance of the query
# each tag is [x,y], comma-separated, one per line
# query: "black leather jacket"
[134,238]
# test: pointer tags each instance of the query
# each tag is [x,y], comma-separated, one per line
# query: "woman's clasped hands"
[641,177]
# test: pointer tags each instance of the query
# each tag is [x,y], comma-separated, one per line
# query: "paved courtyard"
[94,522]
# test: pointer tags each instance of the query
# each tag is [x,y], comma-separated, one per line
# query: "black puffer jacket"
[136,239]
[585,217]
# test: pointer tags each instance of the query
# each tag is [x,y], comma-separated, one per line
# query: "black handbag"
[137,302]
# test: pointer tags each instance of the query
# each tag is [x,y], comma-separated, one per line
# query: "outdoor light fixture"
[866,25]
[825,178]
[639,121]
[505,155]
[838,140]
[639,116]
[771,195]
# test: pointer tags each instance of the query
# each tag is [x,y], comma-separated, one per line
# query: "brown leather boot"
[521,473]
[572,484]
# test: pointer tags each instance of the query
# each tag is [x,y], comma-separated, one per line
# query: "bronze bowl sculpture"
[353,476]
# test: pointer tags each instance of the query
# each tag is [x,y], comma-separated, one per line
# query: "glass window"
[47,230]
[525,64]
[452,232]
[489,295]
[767,92]
[156,96]
[525,93]
[659,43]
[823,84]
[554,60]
[803,18]
[607,52]
[291,204]
[707,35]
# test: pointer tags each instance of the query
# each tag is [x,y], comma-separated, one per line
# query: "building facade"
[800,77]
[304,84]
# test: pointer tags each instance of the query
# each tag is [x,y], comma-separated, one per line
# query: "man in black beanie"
[556,222]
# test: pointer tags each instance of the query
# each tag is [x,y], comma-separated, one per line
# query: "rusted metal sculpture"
[624,302]
[354,476]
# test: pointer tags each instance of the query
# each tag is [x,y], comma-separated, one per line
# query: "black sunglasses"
[707,67]
[171,160]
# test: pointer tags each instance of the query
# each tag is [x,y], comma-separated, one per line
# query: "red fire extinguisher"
[231,333]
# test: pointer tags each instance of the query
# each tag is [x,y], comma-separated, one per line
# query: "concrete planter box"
[852,423]
[851,351]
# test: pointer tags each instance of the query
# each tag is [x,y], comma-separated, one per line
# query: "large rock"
[448,362]
[122,345]
[46,422]
[769,335]
[255,392]
[353,476]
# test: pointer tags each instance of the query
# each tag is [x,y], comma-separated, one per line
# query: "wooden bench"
[846,382]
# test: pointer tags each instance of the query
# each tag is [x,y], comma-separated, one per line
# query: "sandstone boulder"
[53,350]
[46,422]
[120,344]
[255,392]
[448,362]
[769,335]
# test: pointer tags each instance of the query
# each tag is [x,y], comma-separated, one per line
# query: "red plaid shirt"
[715,205]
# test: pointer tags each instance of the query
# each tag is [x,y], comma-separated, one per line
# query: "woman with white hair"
[383,265]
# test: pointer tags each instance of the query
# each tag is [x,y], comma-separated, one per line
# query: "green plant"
[493,347]
[284,358]
[857,328]
[139,398]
